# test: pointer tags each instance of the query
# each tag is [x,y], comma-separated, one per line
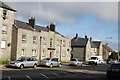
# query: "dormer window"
[5,13]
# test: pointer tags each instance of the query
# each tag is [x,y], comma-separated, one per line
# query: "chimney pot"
[76,35]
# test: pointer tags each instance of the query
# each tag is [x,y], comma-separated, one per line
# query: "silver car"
[50,62]
[24,62]
[75,61]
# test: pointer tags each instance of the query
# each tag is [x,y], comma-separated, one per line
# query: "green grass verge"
[4,62]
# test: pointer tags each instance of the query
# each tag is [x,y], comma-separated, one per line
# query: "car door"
[28,62]
[33,61]
[54,62]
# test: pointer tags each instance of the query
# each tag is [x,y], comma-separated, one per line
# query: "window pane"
[57,54]
[34,38]
[3,43]
[23,37]
[33,52]
[23,52]
[50,42]
[4,28]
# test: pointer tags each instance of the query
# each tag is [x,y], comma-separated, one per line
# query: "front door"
[50,54]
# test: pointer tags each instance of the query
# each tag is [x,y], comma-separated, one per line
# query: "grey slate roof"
[95,44]
[79,42]
[25,25]
[3,5]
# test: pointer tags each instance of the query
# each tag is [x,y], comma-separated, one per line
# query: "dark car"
[110,61]
[113,70]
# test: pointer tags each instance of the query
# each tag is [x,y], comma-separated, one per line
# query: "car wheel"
[77,64]
[60,65]
[81,65]
[21,66]
[35,65]
[51,65]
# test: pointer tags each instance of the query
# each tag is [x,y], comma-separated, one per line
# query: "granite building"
[6,22]
[37,41]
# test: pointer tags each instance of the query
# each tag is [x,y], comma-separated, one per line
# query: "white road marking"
[9,78]
[56,74]
[28,77]
[44,76]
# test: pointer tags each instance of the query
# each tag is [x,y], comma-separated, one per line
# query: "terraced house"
[37,41]
[6,22]
[84,48]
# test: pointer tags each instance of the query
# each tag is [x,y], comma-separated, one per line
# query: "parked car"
[24,62]
[110,61]
[113,70]
[76,61]
[50,62]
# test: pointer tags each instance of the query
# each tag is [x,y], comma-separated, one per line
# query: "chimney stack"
[32,22]
[85,36]
[52,26]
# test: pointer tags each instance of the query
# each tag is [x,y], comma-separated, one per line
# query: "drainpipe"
[40,48]
[60,49]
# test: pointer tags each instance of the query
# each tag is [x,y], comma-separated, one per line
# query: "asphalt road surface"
[66,72]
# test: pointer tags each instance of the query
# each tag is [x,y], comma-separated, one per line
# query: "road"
[66,72]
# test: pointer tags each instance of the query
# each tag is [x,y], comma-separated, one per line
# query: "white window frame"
[51,42]
[34,38]
[6,16]
[57,53]
[4,28]
[64,43]
[3,44]
[24,37]
[23,52]
[43,53]
[44,41]
[57,42]
[34,52]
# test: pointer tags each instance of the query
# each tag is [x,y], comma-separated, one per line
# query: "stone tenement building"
[19,38]
[6,22]
[41,42]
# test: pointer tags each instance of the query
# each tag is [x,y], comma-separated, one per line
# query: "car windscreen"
[21,59]
[73,59]
[47,59]
[93,58]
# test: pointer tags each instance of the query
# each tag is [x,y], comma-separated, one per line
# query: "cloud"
[62,12]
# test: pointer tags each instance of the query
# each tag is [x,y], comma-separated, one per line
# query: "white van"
[96,60]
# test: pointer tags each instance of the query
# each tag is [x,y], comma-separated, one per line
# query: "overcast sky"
[98,20]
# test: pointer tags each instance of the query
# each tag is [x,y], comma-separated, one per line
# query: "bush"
[4,62]
[85,62]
